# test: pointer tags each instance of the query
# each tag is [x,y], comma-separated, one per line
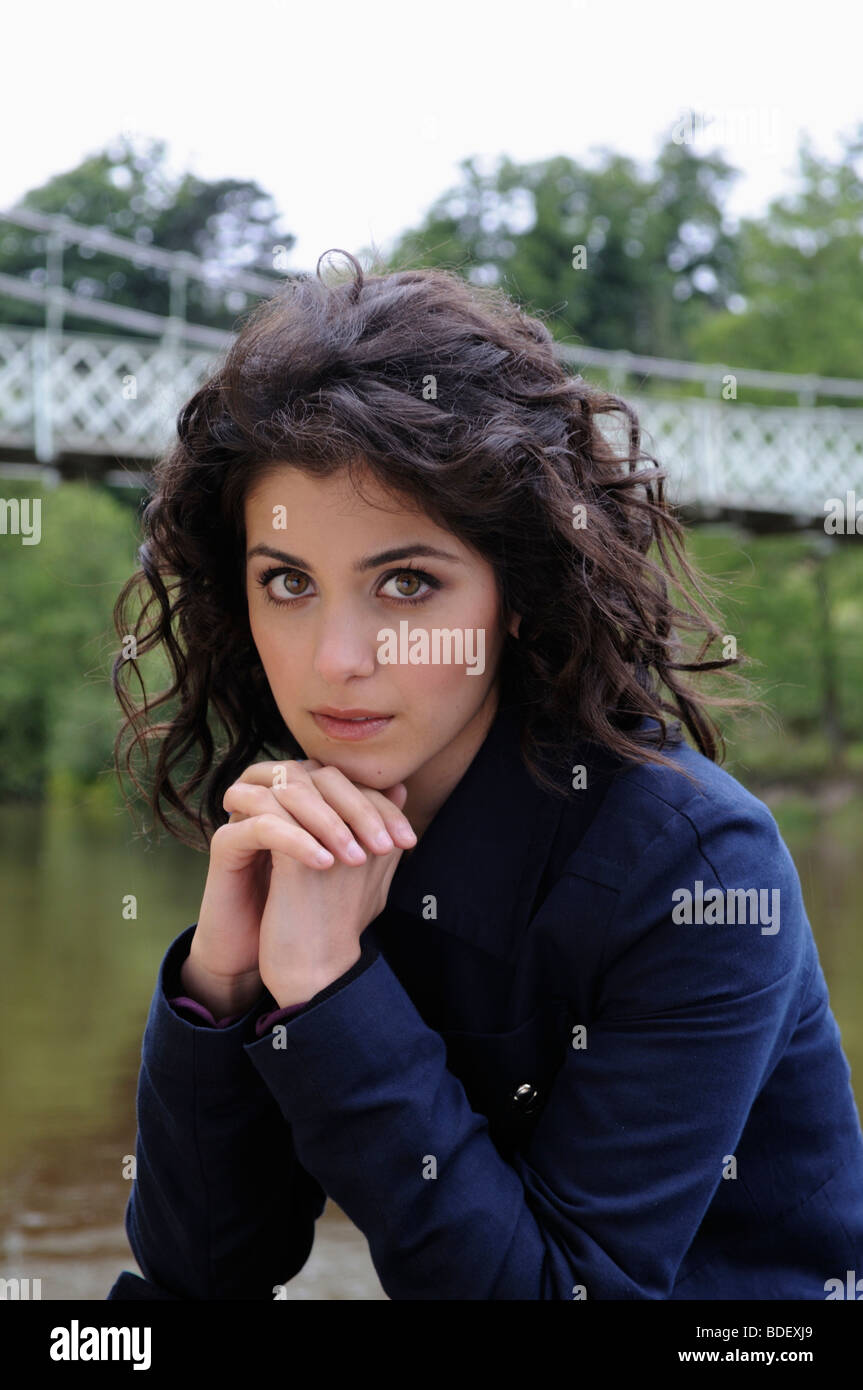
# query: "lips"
[351,724]
[334,713]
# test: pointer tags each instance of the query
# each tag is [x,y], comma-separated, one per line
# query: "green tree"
[126,190]
[801,269]
[659,259]
[774,593]
[58,712]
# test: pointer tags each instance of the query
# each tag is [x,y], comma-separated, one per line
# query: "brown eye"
[293,577]
[420,586]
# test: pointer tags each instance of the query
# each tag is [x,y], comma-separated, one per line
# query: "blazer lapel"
[483,855]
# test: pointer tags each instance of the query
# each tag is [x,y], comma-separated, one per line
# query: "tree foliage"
[126,189]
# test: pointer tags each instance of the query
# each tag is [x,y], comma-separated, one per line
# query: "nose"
[343,648]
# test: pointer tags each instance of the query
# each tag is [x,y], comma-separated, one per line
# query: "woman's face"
[329,581]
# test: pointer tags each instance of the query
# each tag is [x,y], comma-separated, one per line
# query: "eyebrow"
[368,562]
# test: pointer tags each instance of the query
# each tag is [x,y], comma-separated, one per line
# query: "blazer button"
[524,1097]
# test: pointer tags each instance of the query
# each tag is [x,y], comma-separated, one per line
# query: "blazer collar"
[484,853]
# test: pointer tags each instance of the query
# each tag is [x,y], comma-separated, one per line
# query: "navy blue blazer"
[541,1080]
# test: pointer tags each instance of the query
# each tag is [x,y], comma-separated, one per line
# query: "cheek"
[435,684]
[280,665]
[432,689]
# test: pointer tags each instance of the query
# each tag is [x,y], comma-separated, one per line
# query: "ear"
[514,624]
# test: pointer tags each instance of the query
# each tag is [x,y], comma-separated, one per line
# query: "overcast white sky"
[355,116]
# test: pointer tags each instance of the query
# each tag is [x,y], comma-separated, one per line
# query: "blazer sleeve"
[629,1149]
[220,1207]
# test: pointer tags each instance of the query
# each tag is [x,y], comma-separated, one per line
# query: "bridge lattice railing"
[104,395]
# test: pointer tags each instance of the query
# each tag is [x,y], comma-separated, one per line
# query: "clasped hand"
[302,866]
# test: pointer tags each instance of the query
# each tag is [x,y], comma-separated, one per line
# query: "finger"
[398,825]
[301,802]
[305,803]
[392,822]
[366,816]
[264,774]
[240,805]
[244,799]
[234,845]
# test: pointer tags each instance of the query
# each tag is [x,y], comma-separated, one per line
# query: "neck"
[429,787]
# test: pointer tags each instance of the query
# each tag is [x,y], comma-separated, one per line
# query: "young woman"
[487,951]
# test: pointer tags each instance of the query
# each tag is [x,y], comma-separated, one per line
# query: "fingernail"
[383,841]
[323,856]
[356,852]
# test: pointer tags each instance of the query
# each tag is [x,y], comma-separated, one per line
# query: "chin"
[372,762]
[358,764]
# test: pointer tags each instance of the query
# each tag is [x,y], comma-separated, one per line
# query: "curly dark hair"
[453,396]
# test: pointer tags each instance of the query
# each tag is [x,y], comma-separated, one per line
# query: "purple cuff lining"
[262,1025]
[265,1023]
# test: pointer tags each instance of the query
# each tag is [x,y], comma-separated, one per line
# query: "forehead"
[347,491]
[346,510]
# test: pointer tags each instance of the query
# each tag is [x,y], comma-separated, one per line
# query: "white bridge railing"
[93,393]
[730,456]
[106,395]
[100,395]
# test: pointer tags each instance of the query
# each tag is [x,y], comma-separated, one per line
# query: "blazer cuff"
[368,954]
[183,1005]
[342,1042]
[174,1043]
